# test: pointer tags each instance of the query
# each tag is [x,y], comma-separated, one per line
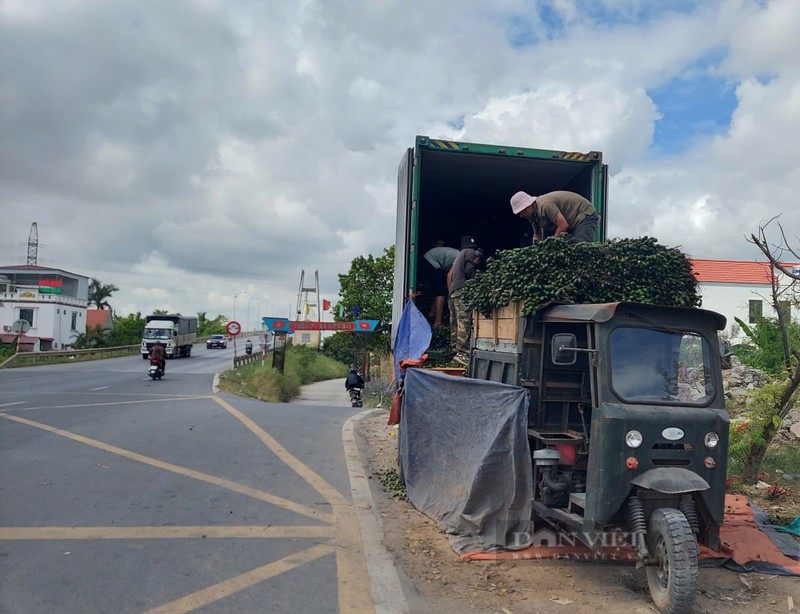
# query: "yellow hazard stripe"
[575,155]
[445,144]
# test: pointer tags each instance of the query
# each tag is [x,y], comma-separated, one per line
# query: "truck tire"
[672,578]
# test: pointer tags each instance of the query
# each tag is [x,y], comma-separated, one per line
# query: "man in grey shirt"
[557,213]
[436,263]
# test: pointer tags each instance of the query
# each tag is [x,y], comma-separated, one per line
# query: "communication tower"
[33,246]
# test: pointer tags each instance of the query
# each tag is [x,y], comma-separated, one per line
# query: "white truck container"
[176,333]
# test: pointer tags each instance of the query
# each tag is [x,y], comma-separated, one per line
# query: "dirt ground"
[440,582]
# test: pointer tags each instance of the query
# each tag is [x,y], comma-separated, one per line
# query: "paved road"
[120,494]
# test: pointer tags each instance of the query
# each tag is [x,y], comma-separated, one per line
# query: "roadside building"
[741,289]
[52,302]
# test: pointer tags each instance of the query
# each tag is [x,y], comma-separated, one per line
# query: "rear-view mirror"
[563,349]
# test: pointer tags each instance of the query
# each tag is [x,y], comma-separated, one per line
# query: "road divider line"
[191,473]
[201,532]
[351,566]
[331,495]
[231,586]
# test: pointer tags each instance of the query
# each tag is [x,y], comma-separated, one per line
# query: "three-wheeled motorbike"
[627,428]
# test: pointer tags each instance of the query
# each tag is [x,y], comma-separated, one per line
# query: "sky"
[201,154]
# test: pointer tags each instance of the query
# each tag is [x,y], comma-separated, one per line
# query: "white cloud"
[186,151]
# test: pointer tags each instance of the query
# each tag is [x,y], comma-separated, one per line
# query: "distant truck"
[175,332]
[448,189]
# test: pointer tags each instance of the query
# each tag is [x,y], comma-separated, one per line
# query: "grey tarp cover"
[465,455]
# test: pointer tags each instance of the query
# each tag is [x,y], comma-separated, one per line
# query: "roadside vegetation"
[303,366]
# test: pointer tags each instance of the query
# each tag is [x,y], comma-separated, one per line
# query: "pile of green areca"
[638,270]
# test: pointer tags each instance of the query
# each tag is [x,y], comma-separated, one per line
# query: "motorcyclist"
[248,346]
[354,380]
[157,352]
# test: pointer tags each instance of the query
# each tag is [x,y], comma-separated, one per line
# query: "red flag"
[326,304]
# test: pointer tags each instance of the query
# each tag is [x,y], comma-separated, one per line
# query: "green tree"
[128,330]
[368,285]
[206,327]
[339,346]
[773,404]
[99,293]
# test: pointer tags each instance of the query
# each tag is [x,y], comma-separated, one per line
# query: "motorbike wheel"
[673,578]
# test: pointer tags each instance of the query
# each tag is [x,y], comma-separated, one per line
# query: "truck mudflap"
[670,480]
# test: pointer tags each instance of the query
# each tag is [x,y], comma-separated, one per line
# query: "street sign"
[233,328]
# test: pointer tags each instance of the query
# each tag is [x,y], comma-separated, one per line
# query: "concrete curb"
[387,592]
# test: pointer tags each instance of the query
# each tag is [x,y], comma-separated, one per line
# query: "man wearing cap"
[557,213]
[463,269]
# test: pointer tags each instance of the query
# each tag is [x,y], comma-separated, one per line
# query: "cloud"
[189,150]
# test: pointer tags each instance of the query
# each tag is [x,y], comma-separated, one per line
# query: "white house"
[740,289]
[53,303]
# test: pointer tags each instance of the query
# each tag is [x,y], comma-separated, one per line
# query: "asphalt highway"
[122,494]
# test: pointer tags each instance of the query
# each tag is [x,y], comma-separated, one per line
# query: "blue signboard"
[277,325]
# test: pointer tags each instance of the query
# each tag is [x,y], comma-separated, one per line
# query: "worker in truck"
[464,267]
[557,213]
[436,264]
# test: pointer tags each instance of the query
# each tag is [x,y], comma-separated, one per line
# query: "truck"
[627,426]
[449,189]
[176,333]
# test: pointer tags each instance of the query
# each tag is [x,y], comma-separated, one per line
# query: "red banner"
[310,325]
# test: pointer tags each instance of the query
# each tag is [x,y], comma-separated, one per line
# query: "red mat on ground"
[743,543]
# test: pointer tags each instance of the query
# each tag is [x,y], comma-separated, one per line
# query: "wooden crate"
[501,327]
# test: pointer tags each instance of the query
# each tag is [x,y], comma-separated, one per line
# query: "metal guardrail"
[248,359]
[33,358]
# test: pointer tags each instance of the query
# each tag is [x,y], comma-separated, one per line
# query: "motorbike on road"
[355,397]
[156,370]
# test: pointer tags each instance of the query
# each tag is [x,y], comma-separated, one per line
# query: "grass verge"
[303,366]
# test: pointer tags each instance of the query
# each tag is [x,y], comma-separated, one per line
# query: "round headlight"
[633,439]
[712,439]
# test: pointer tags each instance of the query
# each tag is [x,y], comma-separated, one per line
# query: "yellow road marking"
[209,532]
[330,494]
[355,593]
[191,473]
[233,585]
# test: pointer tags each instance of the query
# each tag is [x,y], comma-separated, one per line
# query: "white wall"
[733,300]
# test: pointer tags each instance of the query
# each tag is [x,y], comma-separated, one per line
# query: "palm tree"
[99,292]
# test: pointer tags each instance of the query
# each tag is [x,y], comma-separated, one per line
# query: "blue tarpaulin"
[413,337]
[465,455]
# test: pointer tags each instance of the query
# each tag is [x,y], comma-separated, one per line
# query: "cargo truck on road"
[176,333]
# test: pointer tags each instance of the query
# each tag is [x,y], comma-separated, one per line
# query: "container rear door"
[402,238]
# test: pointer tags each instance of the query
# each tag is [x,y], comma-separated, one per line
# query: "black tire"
[673,578]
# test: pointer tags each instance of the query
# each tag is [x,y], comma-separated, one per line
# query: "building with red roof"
[740,289]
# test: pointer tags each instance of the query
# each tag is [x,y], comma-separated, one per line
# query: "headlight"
[633,439]
[712,439]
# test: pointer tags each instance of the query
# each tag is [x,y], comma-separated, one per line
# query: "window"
[74,324]
[660,366]
[305,338]
[755,310]
[27,315]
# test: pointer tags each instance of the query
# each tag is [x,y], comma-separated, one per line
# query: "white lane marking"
[98,388]
[14,403]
